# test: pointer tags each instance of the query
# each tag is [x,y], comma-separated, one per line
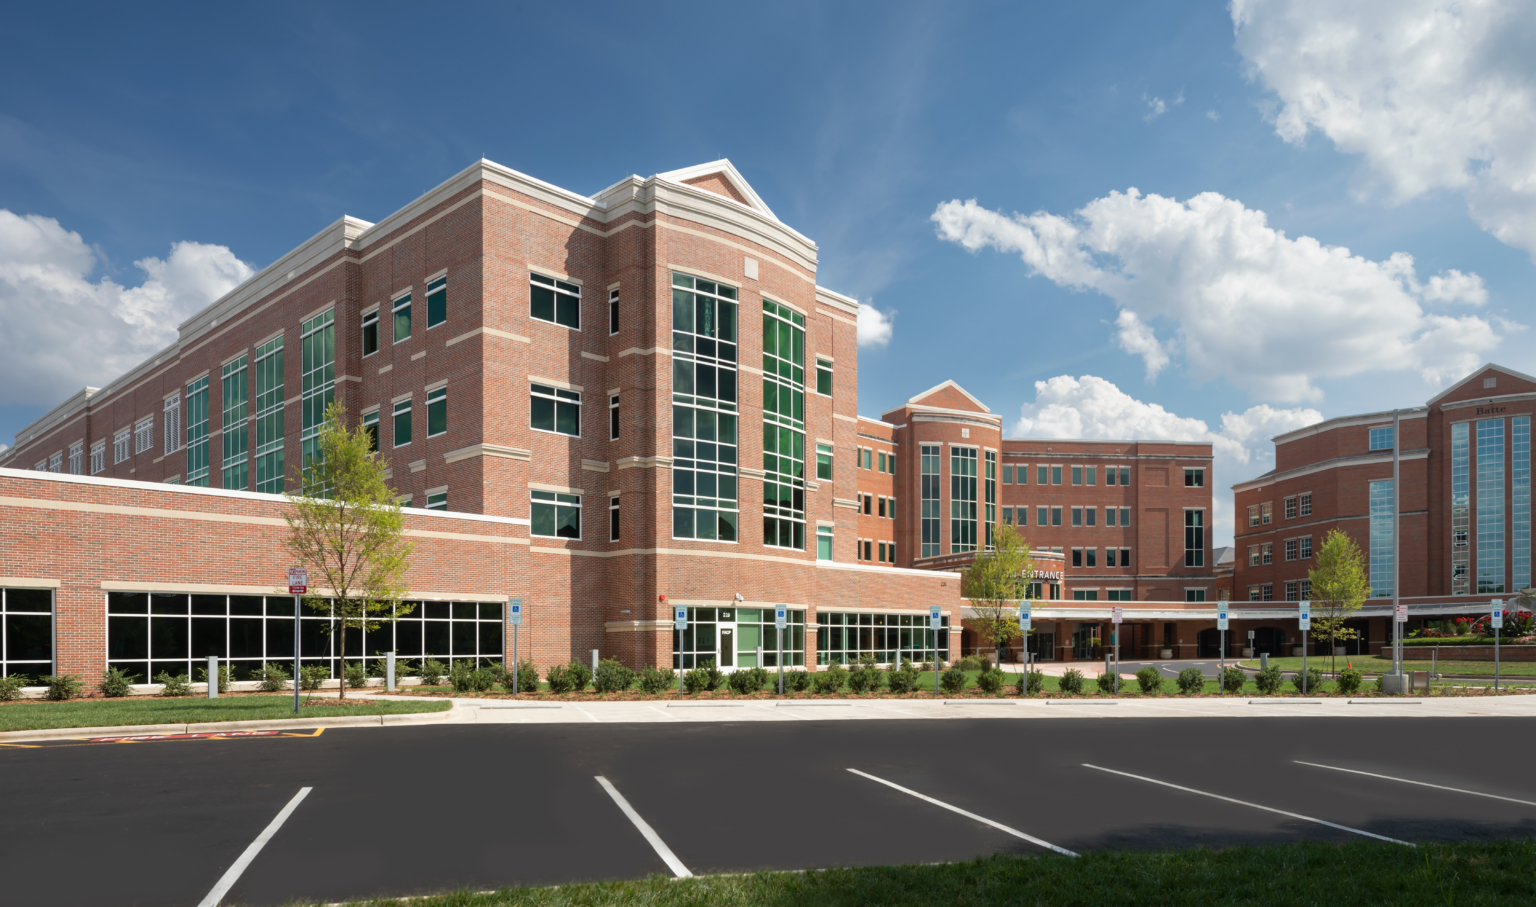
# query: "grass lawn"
[1375,664]
[1355,874]
[32,715]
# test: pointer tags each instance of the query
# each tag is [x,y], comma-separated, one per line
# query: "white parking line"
[232,875]
[660,712]
[662,850]
[1268,809]
[969,815]
[1419,783]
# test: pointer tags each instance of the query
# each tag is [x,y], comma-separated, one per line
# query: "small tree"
[996,580]
[345,526]
[1340,585]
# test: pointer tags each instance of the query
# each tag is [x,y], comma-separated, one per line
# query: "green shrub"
[174,686]
[977,662]
[527,678]
[866,676]
[10,687]
[925,667]
[1150,679]
[272,678]
[743,682]
[1348,680]
[1269,681]
[797,681]
[1232,680]
[655,680]
[1030,683]
[612,677]
[706,677]
[380,668]
[1315,681]
[63,686]
[1109,682]
[115,683]
[953,680]
[466,677]
[762,677]
[1191,681]
[903,679]
[312,676]
[1378,685]
[432,672]
[225,676]
[356,675]
[990,682]
[568,678]
[1071,681]
[831,680]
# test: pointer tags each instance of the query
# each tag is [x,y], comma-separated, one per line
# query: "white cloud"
[1245,302]
[874,325]
[1156,106]
[63,330]
[1433,94]
[1213,116]
[1093,408]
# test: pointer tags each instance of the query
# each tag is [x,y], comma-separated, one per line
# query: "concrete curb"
[270,724]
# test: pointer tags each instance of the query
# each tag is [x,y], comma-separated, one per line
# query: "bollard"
[389,671]
[1263,661]
[594,668]
[759,656]
[213,677]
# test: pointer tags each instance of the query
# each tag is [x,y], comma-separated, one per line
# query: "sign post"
[1221,626]
[1024,621]
[780,619]
[934,621]
[1116,614]
[1399,623]
[1305,624]
[515,618]
[1498,625]
[680,623]
[298,585]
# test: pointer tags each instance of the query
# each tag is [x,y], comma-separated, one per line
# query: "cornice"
[1415,412]
[1372,459]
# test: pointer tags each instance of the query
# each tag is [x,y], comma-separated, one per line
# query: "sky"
[1198,221]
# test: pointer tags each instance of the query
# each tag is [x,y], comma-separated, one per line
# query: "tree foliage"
[995,582]
[345,526]
[1340,585]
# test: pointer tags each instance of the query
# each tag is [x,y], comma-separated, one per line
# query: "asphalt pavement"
[413,810]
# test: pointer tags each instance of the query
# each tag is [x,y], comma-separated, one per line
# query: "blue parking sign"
[680,617]
[515,612]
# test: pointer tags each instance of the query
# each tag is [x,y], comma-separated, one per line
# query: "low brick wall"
[1470,653]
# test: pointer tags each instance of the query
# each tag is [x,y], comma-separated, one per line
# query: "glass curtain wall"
[269,416]
[1461,511]
[150,633]
[319,379]
[235,465]
[991,493]
[843,637]
[962,499]
[751,627]
[1520,502]
[932,532]
[705,500]
[783,427]
[197,432]
[1490,506]
[1381,538]
[26,634]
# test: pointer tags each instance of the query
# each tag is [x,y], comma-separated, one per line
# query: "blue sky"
[185,145]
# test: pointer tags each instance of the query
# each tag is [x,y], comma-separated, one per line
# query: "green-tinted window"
[197,432]
[319,379]
[783,426]
[437,411]
[438,500]
[823,377]
[824,543]
[551,409]
[371,333]
[235,465]
[705,499]
[437,302]
[556,515]
[962,500]
[402,416]
[371,426]
[402,310]
[555,300]
[269,416]
[824,461]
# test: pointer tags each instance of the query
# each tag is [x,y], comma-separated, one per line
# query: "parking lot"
[412,810]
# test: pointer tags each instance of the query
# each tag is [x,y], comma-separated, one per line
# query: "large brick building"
[1462,504]
[643,394]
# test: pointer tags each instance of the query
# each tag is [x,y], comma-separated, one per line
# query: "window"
[269,416]
[1086,595]
[370,333]
[1292,591]
[1125,557]
[1194,478]
[1268,592]
[1490,513]
[437,412]
[928,466]
[784,427]
[824,543]
[881,507]
[371,426]
[882,462]
[824,461]
[1055,475]
[1291,549]
[1255,594]
[1253,515]
[437,500]
[1194,595]
[1253,555]
[962,499]
[1461,511]
[437,306]
[197,432]
[1268,551]
[881,552]
[1092,515]
[1023,516]
[1077,516]
[1381,539]
[555,409]
[868,502]
[56,462]
[556,515]
[1109,557]
[1306,548]
[1055,516]
[1077,475]
[989,490]
[1008,515]
[26,623]
[1194,538]
[1304,504]
[868,548]
[1091,475]
[1306,590]
[613,311]
[402,416]
[1109,475]
[1290,508]
[613,519]
[843,638]
[1091,557]
[1077,557]
[318,385]
[890,462]
[1520,501]
[555,300]
[1043,475]
[1381,438]
[234,465]
[613,418]
[1119,595]
[705,500]
[76,458]
[1023,473]
[824,377]
[402,310]
[144,435]
[1007,475]
[173,423]
[1267,513]
[1125,516]
[1110,514]
[98,457]
[120,446]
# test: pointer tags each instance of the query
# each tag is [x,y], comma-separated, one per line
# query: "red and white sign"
[298,581]
[1115,614]
[1401,614]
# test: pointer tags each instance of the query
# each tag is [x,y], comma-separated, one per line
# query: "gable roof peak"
[949,385]
[727,171]
[1478,373]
